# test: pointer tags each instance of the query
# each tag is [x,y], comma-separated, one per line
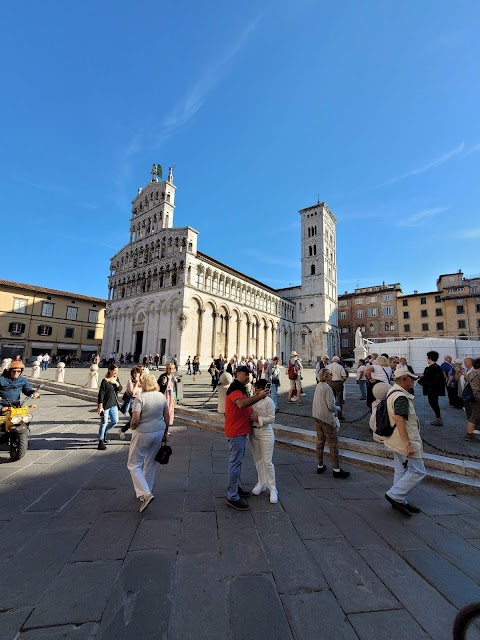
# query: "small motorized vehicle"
[15,419]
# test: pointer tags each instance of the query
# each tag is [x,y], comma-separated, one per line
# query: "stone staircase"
[458,474]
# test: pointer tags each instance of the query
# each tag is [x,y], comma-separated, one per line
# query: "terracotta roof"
[56,292]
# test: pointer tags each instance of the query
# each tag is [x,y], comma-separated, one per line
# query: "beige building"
[36,320]
[453,310]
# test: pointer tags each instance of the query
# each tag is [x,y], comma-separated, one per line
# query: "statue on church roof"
[156,172]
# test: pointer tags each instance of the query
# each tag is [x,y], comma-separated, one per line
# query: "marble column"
[248,338]
[239,328]
[214,333]
[227,331]
[200,331]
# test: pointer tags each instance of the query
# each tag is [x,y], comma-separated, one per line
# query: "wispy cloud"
[469,234]
[187,107]
[420,217]
[437,162]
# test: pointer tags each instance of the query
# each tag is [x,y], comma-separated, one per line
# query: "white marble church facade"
[167,297]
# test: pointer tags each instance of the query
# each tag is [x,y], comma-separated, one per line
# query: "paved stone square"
[331,560]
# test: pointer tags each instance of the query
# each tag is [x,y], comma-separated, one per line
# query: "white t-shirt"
[360,370]
[150,404]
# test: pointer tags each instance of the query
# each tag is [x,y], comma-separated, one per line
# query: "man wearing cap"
[296,382]
[405,442]
[237,426]
[13,383]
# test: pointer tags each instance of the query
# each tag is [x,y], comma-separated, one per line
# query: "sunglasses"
[16,370]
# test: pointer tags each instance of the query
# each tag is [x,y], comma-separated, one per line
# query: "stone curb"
[370,455]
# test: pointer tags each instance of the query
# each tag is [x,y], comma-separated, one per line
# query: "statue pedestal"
[360,353]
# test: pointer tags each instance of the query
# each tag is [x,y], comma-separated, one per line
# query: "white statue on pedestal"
[60,375]
[36,368]
[358,338]
[93,377]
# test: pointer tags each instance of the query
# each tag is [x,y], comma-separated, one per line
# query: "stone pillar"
[146,329]
[360,353]
[60,375]
[227,331]
[239,328]
[171,347]
[214,333]
[200,331]
[92,382]
[265,343]
[248,338]
[36,369]
[274,343]
[225,381]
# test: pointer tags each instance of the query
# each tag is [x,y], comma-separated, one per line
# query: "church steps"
[370,455]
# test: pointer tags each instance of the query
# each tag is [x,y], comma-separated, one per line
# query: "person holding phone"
[107,407]
[262,441]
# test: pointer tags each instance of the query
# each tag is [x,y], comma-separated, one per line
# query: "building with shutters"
[167,297]
[36,320]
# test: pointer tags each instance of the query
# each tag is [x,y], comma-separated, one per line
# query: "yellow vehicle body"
[12,415]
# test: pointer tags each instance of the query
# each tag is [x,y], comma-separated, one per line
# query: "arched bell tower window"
[312,270]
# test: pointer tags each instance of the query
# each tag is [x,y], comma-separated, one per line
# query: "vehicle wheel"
[18,445]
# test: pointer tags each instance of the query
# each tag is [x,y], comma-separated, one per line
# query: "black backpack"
[382,419]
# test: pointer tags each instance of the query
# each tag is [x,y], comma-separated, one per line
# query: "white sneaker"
[146,500]
[476,432]
[122,435]
[258,488]
[274,496]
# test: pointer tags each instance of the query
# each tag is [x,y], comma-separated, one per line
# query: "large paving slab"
[331,560]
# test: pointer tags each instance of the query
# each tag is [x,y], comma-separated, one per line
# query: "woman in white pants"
[150,418]
[262,440]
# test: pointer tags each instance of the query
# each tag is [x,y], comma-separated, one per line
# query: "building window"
[69,331]
[312,270]
[345,343]
[424,313]
[478,308]
[405,303]
[373,312]
[439,312]
[406,328]
[72,313]
[93,315]
[343,315]
[406,315]
[462,324]
[359,301]
[460,308]
[16,328]
[20,305]
[388,296]
[359,313]
[47,309]
[438,298]
[44,330]
[439,326]
[371,328]
[345,329]
[388,311]
[423,301]
[425,326]
[91,334]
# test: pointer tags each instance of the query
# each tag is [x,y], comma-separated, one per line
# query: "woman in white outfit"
[150,418]
[262,441]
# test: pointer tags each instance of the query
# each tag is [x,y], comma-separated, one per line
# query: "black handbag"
[164,452]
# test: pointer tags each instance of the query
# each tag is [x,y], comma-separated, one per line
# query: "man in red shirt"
[237,426]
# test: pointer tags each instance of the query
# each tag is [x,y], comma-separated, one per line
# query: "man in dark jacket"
[433,383]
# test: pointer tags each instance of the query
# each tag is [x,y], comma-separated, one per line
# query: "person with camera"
[262,441]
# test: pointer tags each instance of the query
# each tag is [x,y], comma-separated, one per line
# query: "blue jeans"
[236,447]
[107,421]
[405,478]
[363,389]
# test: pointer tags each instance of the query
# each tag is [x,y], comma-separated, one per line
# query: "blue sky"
[262,107]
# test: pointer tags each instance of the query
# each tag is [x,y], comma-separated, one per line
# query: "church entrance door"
[138,345]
